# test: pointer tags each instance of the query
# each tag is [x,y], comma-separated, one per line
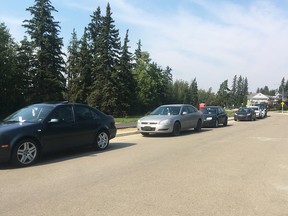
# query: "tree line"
[98,69]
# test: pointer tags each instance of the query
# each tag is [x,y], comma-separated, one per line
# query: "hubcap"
[102,140]
[26,152]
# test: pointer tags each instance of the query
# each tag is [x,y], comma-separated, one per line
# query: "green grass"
[127,119]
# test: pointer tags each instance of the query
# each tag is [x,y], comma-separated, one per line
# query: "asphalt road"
[238,170]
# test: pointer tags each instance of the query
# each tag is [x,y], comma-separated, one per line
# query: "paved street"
[238,170]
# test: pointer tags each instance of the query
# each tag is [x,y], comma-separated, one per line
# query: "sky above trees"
[204,39]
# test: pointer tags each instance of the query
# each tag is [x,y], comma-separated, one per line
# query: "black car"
[245,113]
[47,127]
[213,116]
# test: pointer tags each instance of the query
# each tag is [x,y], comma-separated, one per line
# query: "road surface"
[238,170]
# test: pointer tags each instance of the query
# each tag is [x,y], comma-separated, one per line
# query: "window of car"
[191,109]
[62,114]
[83,114]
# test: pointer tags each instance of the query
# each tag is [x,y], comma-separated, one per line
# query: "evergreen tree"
[73,69]
[25,61]
[48,80]
[10,78]
[125,81]
[104,89]
[194,93]
[81,83]
[223,94]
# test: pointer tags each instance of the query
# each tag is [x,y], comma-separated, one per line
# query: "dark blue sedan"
[40,128]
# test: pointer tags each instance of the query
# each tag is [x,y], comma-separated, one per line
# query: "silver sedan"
[172,118]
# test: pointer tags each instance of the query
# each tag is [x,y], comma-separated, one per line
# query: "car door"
[194,115]
[186,120]
[221,115]
[59,131]
[87,124]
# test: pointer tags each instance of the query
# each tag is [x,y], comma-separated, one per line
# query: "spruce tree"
[10,77]
[125,81]
[104,88]
[48,80]
[73,70]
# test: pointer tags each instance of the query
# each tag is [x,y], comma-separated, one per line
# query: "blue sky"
[204,39]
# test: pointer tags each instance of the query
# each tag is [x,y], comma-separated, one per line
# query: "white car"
[172,119]
[258,111]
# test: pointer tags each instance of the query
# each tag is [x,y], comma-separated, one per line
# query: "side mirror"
[184,113]
[53,121]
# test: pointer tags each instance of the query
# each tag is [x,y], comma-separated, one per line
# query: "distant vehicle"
[213,116]
[245,113]
[264,109]
[46,127]
[172,119]
[257,110]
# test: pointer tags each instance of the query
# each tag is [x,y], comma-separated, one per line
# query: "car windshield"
[209,110]
[244,110]
[167,110]
[34,113]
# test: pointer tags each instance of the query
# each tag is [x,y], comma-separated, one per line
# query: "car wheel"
[145,134]
[199,125]
[176,129]
[225,122]
[102,141]
[216,123]
[25,153]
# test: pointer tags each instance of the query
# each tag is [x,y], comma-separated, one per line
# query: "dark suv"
[213,116]
[46,127]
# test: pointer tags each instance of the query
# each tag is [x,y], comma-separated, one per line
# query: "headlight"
[166,122]
[139,122]
[209,118]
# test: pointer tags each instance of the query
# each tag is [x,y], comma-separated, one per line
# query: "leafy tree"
[181,91]
[207,97]
[48,79]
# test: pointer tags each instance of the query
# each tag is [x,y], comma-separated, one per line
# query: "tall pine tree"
[48,79]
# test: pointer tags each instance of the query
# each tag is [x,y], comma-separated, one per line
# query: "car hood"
[14,126]
[243,113]
[157,118]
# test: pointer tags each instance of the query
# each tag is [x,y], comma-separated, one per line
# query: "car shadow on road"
[70,154]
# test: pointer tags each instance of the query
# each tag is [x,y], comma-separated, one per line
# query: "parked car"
[171,119]
[257,110]
[213,116]
[245,113]
[47,127]
[263,108]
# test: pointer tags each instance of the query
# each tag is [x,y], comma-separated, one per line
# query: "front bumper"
[4,154]
[243,118]
[154,128]
[208,123]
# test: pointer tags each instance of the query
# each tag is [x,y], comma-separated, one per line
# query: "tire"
[176,129]
[145,134]
[199,126]
[25,153]
[216,123]
[225,122]
[102,140]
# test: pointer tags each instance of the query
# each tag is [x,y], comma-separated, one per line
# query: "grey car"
[172,119]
